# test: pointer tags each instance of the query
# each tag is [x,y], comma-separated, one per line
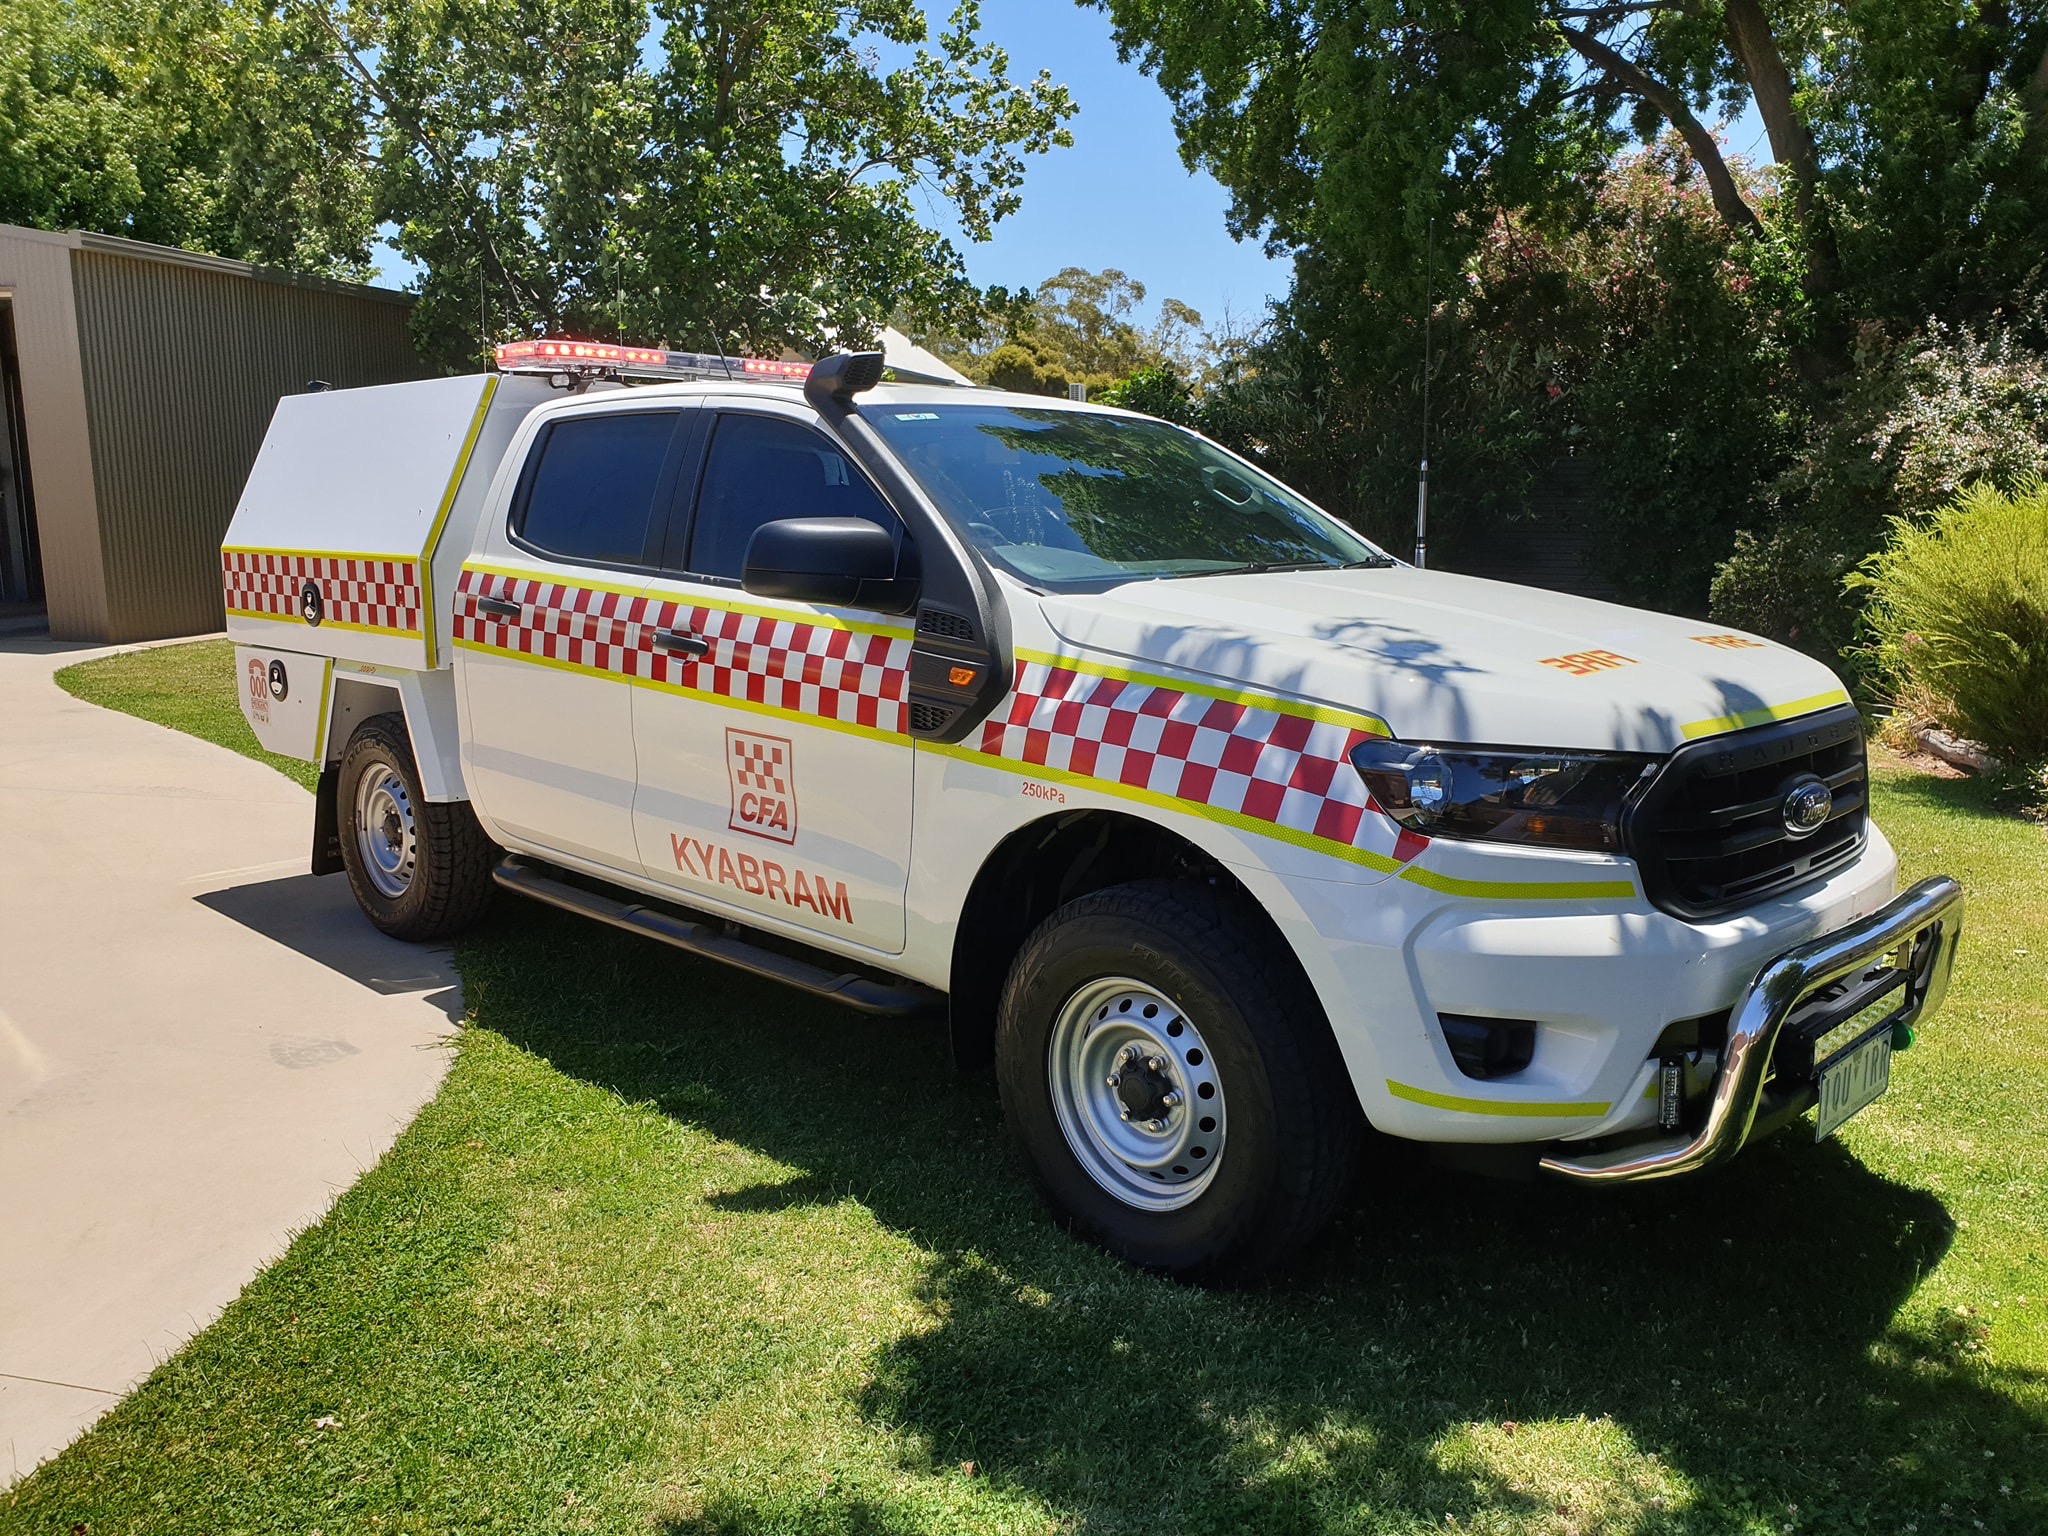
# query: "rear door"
[546,622]
[773,736]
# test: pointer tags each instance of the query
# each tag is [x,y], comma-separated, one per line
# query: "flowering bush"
[1916,423]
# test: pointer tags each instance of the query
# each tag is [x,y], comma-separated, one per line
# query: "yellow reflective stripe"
[1521,890]
[554,578]
[656,589]
[1528,1109]
[293,618]
[1372,725]
[320,723]
[322,554]
[1164,802]
[476,427]
[1765,715]
[793,716]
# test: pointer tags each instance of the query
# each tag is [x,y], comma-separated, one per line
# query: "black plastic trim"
[713,941]
[327,822]
[956,583]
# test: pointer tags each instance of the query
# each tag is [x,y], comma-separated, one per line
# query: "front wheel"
[1173,1083]
[420,869]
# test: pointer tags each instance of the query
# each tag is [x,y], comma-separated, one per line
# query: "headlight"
[1558,799]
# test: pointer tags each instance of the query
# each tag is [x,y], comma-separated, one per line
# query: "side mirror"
[824,560]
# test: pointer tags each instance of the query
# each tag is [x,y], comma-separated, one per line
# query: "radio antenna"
[718,346]
[1422,480]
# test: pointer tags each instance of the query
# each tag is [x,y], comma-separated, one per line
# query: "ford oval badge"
[1806,807]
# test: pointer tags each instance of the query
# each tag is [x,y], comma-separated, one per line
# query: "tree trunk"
[2037,109]
[1749,35]
[1631,77]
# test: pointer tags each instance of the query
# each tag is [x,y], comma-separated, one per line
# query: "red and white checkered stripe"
[813,670]
[382,595]
[1262,764]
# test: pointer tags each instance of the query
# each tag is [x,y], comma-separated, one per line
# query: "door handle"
[500,607]
[682,640]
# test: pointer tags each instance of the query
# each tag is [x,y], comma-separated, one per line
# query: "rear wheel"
[1173,1082]
[420,869]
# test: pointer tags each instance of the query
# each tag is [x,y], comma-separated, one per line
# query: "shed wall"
[183,362]
[35,274]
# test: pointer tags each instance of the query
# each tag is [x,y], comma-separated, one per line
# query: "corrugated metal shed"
[148,376]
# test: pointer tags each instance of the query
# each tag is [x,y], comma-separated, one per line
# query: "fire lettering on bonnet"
[759,876]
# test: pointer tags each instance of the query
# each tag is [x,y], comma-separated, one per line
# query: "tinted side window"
[762,469]
[591,490]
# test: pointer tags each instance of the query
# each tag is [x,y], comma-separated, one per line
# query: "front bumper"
[1920,929]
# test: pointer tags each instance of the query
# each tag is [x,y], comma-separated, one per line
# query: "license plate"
[1853,1082]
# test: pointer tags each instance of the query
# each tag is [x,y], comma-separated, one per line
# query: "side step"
[866,993]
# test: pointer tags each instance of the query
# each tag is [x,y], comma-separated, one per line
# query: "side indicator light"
[962,677]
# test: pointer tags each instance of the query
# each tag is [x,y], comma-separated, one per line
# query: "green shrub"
[1157,391]
[1958,611]
[1913,424]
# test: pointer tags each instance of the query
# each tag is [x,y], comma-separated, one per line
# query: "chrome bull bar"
[1933,906]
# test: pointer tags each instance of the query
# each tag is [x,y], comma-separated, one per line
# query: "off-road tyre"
[446,883]
[1292,1119]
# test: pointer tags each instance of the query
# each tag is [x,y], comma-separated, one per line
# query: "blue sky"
[1120,197]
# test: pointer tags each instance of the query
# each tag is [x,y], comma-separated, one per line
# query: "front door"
[774,754]
[546,632]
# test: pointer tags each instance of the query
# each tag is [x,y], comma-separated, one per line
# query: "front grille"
[1710,834]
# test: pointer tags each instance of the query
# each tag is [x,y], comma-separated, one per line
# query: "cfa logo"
[763,774]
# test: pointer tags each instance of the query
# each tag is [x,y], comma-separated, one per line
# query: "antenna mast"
[1422,481]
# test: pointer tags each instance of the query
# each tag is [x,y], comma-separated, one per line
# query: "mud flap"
[327,822]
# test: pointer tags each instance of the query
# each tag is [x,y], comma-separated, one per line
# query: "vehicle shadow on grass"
[1691,1358]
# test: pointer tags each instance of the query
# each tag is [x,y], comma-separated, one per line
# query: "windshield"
[1065,498]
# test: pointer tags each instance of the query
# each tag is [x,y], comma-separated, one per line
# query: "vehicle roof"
[880,395]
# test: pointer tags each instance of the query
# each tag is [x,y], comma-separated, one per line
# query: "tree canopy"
[216,125]
[1911,138]
[730,173]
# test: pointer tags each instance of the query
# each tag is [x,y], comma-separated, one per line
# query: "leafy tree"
[1077,327]
[1911,137]
[730,173]
[221,127]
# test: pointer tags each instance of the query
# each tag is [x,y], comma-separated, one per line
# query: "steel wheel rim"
[1160,1161]
[386,838]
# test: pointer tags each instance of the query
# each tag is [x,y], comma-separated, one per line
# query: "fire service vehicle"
[1218,832]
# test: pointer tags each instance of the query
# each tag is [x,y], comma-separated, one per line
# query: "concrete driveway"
[201,1045]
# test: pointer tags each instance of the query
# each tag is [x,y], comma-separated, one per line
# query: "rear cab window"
[593,485]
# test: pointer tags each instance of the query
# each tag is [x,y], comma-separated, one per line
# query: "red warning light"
[556,354]
[762,367]
[587,353]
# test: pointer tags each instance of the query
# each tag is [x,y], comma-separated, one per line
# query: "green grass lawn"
[678,1252]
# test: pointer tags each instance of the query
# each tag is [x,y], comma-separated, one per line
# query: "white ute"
[1221,833]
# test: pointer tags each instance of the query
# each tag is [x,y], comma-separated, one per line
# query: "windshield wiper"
[1370,563]
[1262,568]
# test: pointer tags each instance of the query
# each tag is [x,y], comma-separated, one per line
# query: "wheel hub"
[1136,1094]
[1142,1086]
[386,839]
